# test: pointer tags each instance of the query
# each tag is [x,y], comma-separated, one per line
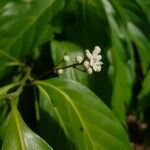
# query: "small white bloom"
[89,71]
[66,58]
[94,58]
[60,71]
[86,64]
[97,49]
[79,59]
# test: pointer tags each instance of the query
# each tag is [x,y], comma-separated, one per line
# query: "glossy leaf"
[142,44]
[19,137]
[86,121]
[22,28]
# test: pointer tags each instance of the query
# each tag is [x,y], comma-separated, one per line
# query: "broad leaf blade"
[24,26]
[122,63]
[86,121]
[142,44]
[20,137]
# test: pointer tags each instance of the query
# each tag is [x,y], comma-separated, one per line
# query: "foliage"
[40,109]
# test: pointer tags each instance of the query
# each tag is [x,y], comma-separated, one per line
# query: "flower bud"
[86,64]
[66,58]
[79,59]
[89,71]
[60,71]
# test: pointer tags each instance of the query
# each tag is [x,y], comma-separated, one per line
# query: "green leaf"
[122,79]
[145,87]
[142,44]
[25,25]
[121,62]
[86,121]
[59,49]
[145,6]
[19,137]
[3,102]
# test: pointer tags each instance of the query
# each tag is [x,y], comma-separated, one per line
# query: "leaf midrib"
[48,98]
[75,109]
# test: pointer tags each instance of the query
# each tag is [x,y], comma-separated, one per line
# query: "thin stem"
[69,66]
[55,69]
[59,63]
[23,81]
[22,84]
[80,69]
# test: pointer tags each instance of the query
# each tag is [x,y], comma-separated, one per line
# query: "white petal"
[98,57]
[89,71]
[92,63]
[98,63]
[101,62]
[88,54]
[99,69]
[86,64]
[96,51]
[95,67]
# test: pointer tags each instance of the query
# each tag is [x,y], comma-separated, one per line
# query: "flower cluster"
[91,61]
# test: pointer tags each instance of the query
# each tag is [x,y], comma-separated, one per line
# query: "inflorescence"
[90,62]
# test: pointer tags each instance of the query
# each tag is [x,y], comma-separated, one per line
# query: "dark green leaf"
[25,25]
[85,23]
[122,62]
[86,121]
[142,44]
[145,87]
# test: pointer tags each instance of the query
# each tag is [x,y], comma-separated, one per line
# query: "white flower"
[79,59]
[94,58]
[60,71]
[66,58]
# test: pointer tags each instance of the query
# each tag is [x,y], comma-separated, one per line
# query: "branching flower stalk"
[91,62]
